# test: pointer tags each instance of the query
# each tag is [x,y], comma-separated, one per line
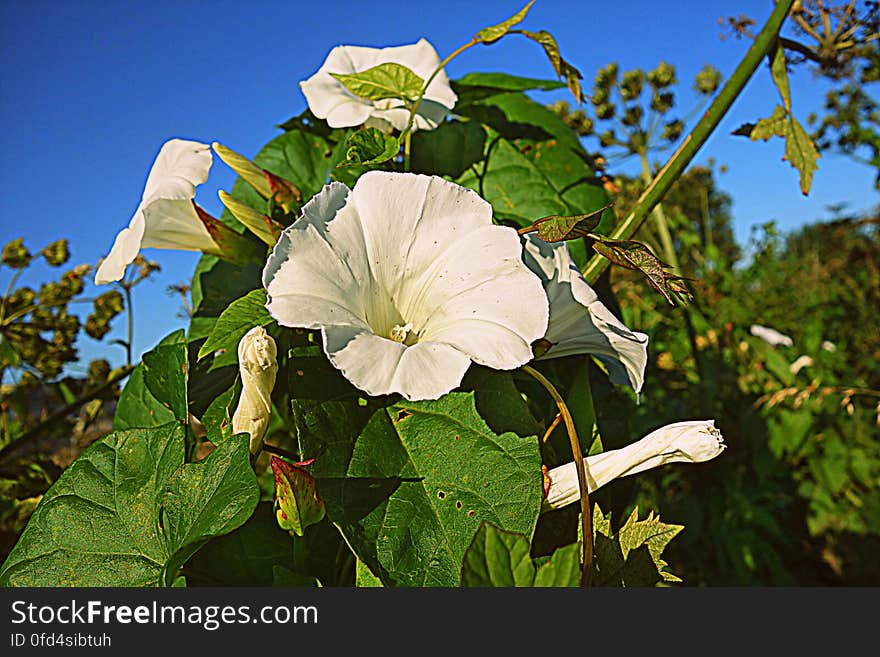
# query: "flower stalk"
[698,136]
[580,465]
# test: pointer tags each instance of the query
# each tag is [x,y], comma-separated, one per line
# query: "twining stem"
[580,468]
[556,421]
[130,312]
[415,106]
[694,141]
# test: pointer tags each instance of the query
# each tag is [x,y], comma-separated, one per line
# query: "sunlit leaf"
[388,80]
[495,32]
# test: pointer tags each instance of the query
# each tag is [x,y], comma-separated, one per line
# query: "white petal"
[125,249]
[692,441]
[380,366]
[174,224]
[329,99]
[771,336]
[165,218]
[308,282]
[579,322]
[179,167]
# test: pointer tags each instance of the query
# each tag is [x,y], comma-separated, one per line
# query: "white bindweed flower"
[693,441]
[579,322]
[771,336]
[166,218]
[409,281]
[257,366]
[329,99]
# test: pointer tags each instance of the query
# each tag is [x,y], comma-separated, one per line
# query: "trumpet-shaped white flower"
[166,218]
[770,335]
[409,281]
[329,99]
[579,322]
[257,366]
[693,441]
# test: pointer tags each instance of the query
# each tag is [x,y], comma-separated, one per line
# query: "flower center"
[399,333]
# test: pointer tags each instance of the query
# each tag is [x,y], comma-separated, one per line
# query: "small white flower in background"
[771,336]
[800,363]
[257,366]
[829,346]
[579,322]
[693,441]
[329,99]
[166,218]
[409,281]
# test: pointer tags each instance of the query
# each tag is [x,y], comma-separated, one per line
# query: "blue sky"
[90,90]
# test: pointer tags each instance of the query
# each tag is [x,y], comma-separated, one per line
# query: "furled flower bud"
[693,441]
[296,500]
[258,365]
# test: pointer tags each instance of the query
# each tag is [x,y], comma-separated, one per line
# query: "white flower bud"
[258,365]
[693,441]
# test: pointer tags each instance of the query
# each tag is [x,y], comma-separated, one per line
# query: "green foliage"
[129,511]
[388,80]
[241,316]
[492,34]
[499,558]
[370,146]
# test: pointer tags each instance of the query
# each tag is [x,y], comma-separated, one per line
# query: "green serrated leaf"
[780,75]
[632,556]
[258,223]
[801,152]
[208,498]
[636,256]
[370,146]
[411,489]
[774,125]
[495,32]
[388,80]
[563,69]
[240,317]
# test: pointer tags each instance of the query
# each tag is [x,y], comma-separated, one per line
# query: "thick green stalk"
[698,136]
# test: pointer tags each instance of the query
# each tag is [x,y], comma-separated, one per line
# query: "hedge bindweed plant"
[389,324]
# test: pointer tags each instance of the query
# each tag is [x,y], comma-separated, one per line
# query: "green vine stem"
[580,468]
[697,137]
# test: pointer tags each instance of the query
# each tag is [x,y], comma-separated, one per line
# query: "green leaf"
[631,254]
[563,69]
[137,407]
[370,146]
[780,75]
[801,152]
[388,80]
[155,392]
[501,559]
[244,557]
[209,498]
[556,228]
[563,568]
[492,34]
[499,402]
[165,374]
[99,524]
[364,578]
[774,125]
[240,317]
[449,150]
[412,489]
[497,558]
[258,223]
[496,82]
[632,556]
